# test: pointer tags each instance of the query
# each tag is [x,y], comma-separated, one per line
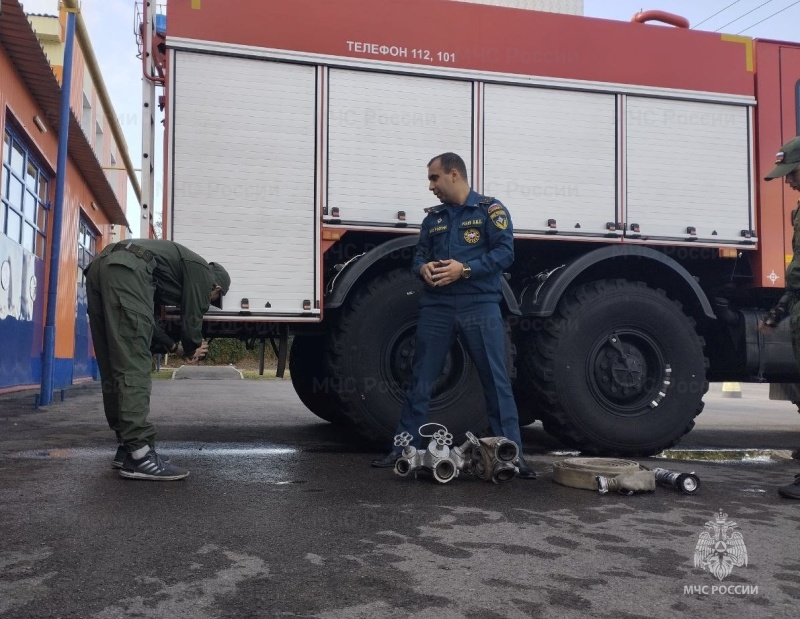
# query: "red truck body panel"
[777,122]
[479,37]
[498,40]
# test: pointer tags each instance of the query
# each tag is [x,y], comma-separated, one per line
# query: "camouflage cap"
[787,159]
[221,279]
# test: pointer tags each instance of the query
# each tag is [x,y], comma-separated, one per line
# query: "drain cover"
[581,472]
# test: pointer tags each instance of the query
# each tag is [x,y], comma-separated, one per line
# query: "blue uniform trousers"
[482,331]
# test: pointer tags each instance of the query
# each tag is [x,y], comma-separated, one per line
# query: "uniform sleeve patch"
[494,207]
[499,219]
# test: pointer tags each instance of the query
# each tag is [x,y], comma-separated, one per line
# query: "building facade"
[94,204]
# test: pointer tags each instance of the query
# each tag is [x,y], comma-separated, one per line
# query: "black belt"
[136,250]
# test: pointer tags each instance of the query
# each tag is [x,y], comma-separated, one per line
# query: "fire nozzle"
[688,483]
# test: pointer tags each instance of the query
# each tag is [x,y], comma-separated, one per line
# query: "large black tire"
[527,395]
[371,354]
[620,368]
[311,381]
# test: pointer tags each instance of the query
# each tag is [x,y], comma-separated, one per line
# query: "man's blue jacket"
[480,235]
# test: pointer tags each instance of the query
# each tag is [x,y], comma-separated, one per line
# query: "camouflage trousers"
[120,290]
[794,327]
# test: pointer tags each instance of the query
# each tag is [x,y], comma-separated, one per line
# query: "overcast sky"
[111,28]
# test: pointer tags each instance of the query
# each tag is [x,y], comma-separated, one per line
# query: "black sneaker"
[791,491]
[119,457]
[525,471]
[151,467]
[388,461]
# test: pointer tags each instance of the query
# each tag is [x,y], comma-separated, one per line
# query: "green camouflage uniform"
[786,162]
[793,286]
[123,289]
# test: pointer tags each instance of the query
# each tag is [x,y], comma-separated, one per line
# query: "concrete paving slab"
[200,372]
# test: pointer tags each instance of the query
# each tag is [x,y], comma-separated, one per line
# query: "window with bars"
[25,196]
[87,247]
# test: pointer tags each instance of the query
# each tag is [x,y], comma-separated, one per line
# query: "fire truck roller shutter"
[370,357]
[551,154]
[389,126]
[243,168]
[688,165]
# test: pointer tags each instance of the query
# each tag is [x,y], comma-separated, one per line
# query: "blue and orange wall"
[21,337]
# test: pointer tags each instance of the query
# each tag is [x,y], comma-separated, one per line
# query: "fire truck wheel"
[621,369]
[370,357]
[527,394]
[310,381]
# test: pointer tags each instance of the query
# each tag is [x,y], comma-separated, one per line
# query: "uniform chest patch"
[472,236]
[499,219]
[438,229]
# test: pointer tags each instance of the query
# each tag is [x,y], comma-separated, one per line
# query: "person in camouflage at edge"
[787,164]
[124,285]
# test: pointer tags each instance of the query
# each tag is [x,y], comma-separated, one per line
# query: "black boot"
[387,461]
[525,471]
[791,491]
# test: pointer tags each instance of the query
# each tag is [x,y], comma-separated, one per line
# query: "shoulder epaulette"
[491,204]
[435,209]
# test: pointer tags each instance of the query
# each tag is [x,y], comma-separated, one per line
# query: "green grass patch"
[269,374]
[164,374]
[717,455]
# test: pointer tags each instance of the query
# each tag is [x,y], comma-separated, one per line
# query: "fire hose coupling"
[646,480]
[627,483]
[492,459]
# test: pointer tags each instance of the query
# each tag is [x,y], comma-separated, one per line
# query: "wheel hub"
[620,370]
[402,359]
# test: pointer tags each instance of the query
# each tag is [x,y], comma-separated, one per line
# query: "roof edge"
[26,54]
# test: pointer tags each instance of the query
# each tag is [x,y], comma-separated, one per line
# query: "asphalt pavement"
[283,517]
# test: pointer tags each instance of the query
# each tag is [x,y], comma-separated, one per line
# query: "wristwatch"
[466,271]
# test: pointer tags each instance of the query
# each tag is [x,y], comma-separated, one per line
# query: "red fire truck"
[629,155]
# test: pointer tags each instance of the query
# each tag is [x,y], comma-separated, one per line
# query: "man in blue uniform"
[464,245]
